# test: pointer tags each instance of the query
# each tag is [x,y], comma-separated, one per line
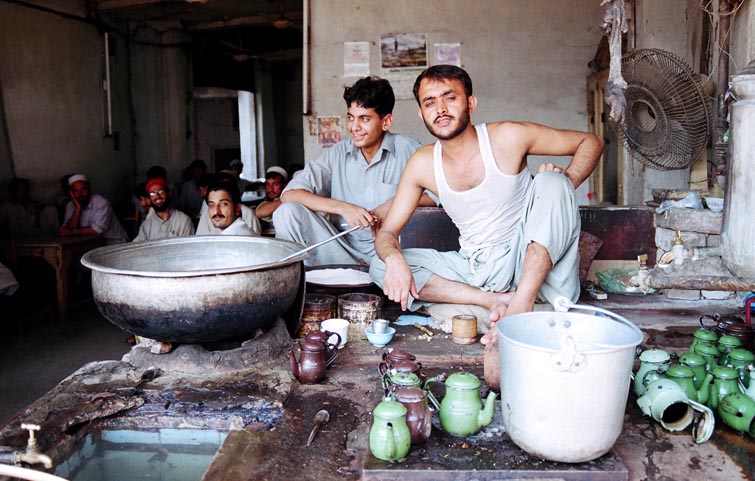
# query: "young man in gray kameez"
[352,183]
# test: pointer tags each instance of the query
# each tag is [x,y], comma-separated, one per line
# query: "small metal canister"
[464,329]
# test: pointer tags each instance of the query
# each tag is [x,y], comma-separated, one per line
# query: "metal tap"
[32,454]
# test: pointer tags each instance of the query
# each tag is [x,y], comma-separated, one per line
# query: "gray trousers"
[551,219]
[293,221]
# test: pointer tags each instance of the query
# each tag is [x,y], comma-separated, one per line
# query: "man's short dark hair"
[157,171]
[441,73]
[229,187]
[206,179]
[17,181]
[141,190]
[371,93]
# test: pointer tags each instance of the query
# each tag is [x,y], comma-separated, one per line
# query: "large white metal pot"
[200,288]
[564,381]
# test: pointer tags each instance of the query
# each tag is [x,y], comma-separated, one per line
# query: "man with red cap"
[90,214]
[163,220]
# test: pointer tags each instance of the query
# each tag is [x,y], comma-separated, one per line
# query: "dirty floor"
[269,414]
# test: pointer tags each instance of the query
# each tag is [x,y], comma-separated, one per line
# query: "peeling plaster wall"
[527,58]
[50,77]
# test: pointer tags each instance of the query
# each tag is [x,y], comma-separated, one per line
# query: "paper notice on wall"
[448,54]
[328,131]
[403,57]
[356,59]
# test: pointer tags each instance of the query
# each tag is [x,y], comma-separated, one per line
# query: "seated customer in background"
[90,214]
[22,216]
[205,225]
[190,200]
[163,220]
[275,180]
[224,208]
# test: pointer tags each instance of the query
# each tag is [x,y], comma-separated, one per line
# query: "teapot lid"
[389,409]
[655,356]
[402,378]
[741,355]
[317,336]
[723,372]
[399,355]
[730,341]
[692,359]
[706,349]
[312,346]
[462,381]
[679,370]
[705,335]
[410,394]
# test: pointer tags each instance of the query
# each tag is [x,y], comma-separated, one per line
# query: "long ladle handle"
[307,249]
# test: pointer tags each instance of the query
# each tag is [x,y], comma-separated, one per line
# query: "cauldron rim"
[91,258]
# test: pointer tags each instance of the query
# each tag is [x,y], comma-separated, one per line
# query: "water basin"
[141,455]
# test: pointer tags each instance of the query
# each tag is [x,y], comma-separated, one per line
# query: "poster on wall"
[356,59]
[448,54]
[328,131]
[403,57]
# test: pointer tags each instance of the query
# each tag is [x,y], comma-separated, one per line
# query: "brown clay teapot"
[312,362]
[330,348]
[419,416]
[731,325]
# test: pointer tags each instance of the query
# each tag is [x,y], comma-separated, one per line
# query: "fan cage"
[666,123]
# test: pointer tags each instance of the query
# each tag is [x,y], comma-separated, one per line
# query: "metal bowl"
[197,289]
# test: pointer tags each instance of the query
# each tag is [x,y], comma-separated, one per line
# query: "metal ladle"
[307,249]
[148,375]
[322,417]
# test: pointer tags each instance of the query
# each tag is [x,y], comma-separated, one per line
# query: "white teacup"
[339,326]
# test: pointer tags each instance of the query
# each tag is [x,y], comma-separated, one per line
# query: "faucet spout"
[35,458]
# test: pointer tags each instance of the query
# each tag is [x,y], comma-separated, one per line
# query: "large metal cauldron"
[198,289]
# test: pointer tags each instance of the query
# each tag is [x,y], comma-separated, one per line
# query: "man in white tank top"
[519,236]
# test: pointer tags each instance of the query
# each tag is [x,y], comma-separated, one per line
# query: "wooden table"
[59,252]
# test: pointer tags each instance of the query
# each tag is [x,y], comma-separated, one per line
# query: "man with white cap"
[90,214]
[275,180]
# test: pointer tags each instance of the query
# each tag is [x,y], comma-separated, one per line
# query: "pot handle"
[713,318]
[562,304]
[568,359]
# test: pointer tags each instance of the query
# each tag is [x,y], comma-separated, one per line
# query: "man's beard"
[84,201]
[463,124]
[162,208]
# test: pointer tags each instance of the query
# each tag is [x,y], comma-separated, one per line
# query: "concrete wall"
[742,38]
[50,76]
[161,92]
[527,58]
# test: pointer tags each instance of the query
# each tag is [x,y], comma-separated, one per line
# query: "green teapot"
[720,381]
[696,362]
[684,376]
[750,391]
[725,345]
[738,411]
[703,336]
[741,360]
[389,434]
[651,361]
[461,411]
[710,352]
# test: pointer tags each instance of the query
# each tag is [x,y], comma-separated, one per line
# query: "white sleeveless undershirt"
[489,213]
